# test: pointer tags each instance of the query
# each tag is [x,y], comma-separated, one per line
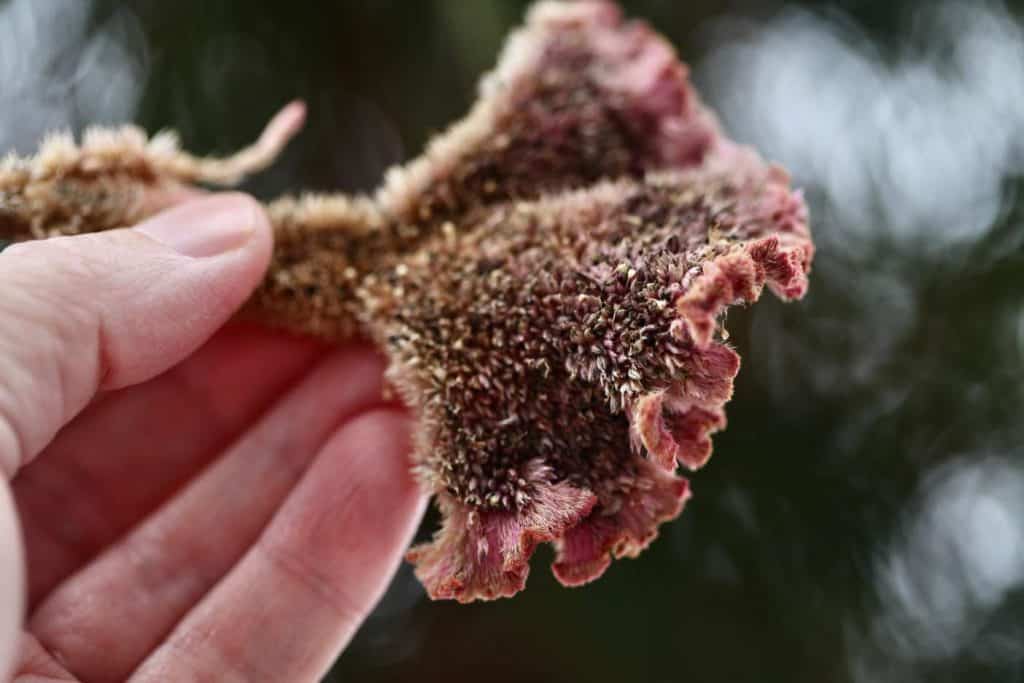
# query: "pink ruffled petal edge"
[739,277]
[484,555]
[585,551]
[676,424]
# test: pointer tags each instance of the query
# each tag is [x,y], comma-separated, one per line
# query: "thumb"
[106,310]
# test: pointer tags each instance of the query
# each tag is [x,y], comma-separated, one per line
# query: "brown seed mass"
[548,281]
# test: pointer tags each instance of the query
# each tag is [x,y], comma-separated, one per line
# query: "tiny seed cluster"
[529,335]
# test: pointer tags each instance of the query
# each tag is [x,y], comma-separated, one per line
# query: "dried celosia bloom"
[548,281]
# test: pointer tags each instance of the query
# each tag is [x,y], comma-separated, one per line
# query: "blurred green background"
[863,516]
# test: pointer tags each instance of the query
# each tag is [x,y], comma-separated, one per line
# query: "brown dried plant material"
[548,281]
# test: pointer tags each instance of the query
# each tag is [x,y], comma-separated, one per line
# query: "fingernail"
[205,227]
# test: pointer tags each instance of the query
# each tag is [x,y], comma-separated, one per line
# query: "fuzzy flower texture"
[548,281]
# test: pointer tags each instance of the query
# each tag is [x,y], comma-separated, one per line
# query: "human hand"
[226,513]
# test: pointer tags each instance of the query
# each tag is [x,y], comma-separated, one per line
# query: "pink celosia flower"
[548,281]
[560,391]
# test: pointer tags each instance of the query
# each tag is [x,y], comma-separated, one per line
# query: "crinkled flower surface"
[548,280]
[565,353]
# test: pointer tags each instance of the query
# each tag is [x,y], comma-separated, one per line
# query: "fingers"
[292,603]
[12,582]
[127,453]
[36,665]
[107,310]
[163,568]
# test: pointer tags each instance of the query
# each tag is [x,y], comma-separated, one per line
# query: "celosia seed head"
[561,338]
[548,280]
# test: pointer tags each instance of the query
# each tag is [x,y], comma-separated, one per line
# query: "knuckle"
[348,608]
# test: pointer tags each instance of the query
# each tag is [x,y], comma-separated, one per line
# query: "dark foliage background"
[863,517]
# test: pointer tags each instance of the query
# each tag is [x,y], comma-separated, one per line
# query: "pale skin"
[180,499]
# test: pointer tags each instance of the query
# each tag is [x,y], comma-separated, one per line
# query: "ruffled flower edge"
[587,549]
[675,424]
[485,555]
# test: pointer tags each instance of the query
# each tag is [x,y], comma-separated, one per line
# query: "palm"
[234,517]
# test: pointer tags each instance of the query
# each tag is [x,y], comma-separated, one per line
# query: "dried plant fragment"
[548,281]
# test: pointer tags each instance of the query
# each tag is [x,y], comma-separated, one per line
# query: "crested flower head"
[549,281]
[560,331]
[565,355]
